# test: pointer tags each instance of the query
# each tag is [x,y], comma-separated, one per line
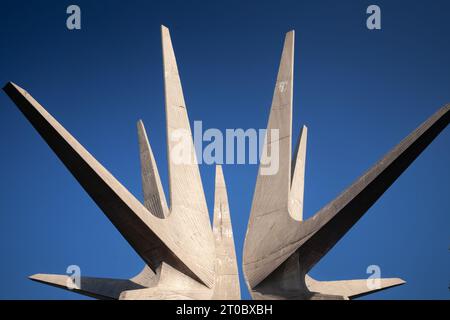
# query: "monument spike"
[186,189]
[227,278]
[154,197]
[188,209]
[272,190]
[351,289]
[271,197]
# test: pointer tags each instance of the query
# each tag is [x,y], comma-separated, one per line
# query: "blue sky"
[358,91]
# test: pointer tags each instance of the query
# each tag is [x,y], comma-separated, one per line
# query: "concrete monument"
[185,258]
[280,246]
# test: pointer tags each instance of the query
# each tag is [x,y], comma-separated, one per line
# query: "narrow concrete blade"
[227,278]
[98,288]
[351,289]
[186,189]
[272,187]
[188,209]
[154,197]
[270,222]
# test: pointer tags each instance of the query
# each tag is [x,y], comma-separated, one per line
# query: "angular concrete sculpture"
[185,258]
[280,247]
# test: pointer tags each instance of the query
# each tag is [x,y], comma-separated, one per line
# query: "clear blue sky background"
[359,91]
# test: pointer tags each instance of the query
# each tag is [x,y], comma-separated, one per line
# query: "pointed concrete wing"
[275,233]
[270,200]
[186,189]
[187,200]
[154,239]
[272,188]
[350,289]
[227,277]
[188,211]
[154,197]
[322,231]
[98,288]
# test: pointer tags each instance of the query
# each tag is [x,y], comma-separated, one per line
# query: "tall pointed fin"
[188,208]
[227,278]
[272,186]
[270,222]
[154,198]
[186,189]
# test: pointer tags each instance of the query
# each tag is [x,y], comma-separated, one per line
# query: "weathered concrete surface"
[227,278]
[177,244]
[154,197]
[280,247]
